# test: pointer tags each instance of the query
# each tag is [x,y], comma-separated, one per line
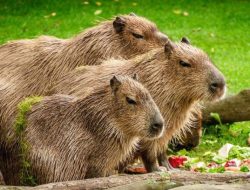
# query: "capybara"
[191,137]
[29,67]
[71,139]
[1,179]
[178,77]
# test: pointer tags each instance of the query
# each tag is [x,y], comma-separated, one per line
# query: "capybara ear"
[169,47]
[114,83]
[119,24]
[132,14]
[135,77]
[185,40]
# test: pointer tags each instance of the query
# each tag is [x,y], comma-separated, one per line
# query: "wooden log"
[231,109]
[160,177]
[163,179]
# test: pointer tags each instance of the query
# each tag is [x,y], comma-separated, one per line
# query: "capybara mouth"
[155,133]
[217,94]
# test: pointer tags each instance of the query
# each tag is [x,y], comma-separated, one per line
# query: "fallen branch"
[232,109]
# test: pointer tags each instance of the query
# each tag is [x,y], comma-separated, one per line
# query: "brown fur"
[1,179]
[191,138]
[176,89]
[72,139]
[29,67]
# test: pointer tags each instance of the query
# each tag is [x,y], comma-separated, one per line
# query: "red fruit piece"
[230,163]
[177,161]
[135,170]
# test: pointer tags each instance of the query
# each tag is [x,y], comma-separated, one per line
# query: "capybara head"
[193,75]
[133,106]
[138,33]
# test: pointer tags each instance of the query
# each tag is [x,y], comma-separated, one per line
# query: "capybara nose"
[218,86]
[157,124]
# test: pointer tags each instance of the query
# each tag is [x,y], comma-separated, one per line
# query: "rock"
[214,187]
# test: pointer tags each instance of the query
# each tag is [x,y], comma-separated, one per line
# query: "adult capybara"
[178,77]
[29,67]
[72,139]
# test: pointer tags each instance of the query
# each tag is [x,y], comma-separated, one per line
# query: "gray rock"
[245,186]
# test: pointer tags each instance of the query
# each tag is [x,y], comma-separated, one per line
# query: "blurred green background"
[220,27]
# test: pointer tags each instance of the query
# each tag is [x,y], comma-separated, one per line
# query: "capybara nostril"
[157,125]
[213,86]
[217,86]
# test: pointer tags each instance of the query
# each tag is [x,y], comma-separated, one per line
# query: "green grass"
[214,137]
[220,27]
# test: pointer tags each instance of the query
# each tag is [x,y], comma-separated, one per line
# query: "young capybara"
[178,77]
[72,139]
[29,67]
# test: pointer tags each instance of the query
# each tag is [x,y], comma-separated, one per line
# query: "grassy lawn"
[219,27]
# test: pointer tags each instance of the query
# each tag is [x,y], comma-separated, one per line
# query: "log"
[144,181]
[184,177]
[235,108]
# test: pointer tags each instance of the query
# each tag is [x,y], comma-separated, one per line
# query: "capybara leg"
[150,162]
[163,161]
[1,179]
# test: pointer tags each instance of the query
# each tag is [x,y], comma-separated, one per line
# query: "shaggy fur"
[72,139]
[1,179]
[29,67]
[191,137]
[176,89]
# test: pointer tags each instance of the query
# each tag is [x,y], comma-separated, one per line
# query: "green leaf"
[182,152]
[216,116]
[239,152]
[217,170]
[244,169]
[219,159]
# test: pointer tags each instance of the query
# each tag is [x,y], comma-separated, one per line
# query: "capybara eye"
[185,64]
[130,101]
[137,36]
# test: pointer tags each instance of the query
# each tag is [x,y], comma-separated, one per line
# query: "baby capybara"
[178,77]
[29,67]
[72,139]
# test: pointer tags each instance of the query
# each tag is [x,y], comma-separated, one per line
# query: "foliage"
[20,124]
[239,152]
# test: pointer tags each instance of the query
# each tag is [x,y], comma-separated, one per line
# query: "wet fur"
[176,90]
[30,67]
[72,139]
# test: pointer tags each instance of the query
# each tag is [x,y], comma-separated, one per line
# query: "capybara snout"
[217,85]
[156,126]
